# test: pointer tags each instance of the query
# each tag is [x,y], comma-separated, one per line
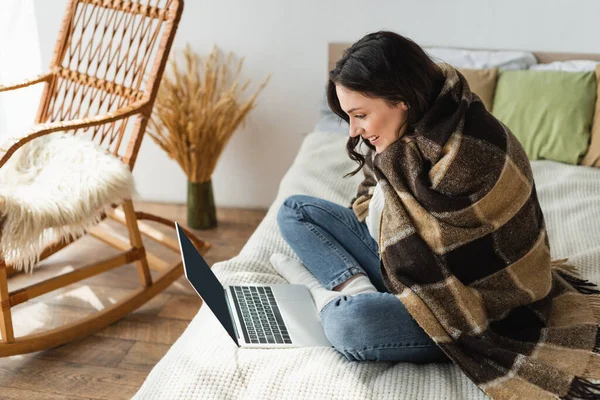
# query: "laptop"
[258,316]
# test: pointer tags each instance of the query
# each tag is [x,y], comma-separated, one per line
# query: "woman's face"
[373,119]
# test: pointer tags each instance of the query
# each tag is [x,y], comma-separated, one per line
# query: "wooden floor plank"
[31,317]
[97,297]
[66,379]
[92,350]
[146,328]
[181,307]
[8,393]
[143,356]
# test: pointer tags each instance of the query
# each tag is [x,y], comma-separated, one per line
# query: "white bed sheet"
[205,364]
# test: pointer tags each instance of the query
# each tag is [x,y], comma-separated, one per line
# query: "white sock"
[360,284]
[296,273]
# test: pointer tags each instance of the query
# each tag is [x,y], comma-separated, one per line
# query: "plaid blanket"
[463,244]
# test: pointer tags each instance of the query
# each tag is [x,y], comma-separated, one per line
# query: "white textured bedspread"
[204,363]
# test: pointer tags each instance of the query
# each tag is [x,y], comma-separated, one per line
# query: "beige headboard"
[337,49]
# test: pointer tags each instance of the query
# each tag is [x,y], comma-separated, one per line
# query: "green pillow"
[550,112]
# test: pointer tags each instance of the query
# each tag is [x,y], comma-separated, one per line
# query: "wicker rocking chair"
[102,83]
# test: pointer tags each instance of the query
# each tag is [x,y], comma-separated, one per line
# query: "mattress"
[204,363]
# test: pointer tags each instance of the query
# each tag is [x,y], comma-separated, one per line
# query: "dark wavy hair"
[388,66]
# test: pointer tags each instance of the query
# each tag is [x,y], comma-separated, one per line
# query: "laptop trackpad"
[300,314]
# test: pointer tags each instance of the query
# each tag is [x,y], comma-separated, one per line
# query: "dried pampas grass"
[195,114]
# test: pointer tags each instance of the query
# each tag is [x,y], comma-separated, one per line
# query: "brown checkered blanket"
[464,246]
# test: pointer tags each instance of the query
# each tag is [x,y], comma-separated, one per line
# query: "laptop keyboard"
[260,316]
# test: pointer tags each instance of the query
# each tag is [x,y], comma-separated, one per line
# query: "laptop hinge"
[237,332]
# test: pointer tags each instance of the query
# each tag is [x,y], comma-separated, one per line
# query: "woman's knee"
[289,207]
[342,328]
[344,321]
[287,210]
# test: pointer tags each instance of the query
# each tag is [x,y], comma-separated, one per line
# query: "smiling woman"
[381,103]
[382,96]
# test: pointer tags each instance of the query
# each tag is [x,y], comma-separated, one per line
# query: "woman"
[381,86]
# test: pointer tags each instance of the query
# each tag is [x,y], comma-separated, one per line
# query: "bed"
[205,364]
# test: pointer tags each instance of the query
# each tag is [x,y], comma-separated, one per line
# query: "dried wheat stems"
[195,114]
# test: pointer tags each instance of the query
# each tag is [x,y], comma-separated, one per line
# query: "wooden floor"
[113,363]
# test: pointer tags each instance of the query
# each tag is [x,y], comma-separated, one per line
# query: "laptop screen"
[205,282]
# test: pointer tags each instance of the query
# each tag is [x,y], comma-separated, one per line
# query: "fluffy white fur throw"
[53,187]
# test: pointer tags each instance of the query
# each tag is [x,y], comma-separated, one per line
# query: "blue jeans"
[334,245]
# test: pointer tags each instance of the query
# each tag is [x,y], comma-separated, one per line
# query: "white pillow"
[479,59]
[570,66]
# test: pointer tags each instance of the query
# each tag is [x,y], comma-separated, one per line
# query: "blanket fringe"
[583,286]
[583,389]
[560,265]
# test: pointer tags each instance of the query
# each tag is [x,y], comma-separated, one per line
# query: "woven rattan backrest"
[109,54]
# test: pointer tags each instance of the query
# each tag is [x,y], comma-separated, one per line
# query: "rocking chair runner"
[105,50]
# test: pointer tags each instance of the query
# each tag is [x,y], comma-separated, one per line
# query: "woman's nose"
[355,131]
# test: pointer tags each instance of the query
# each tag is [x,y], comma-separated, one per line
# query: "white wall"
[289,39]
[18,31]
